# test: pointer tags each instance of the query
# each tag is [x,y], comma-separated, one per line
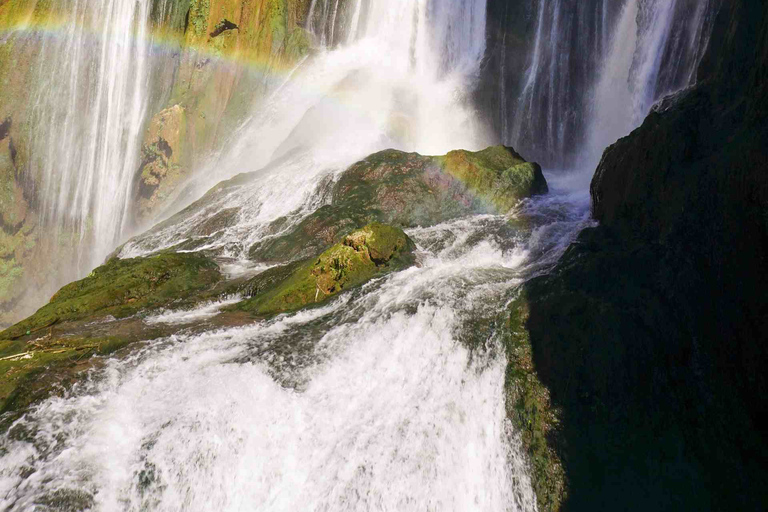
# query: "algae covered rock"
[362,255]
[529,407]
[53,346]
[407,190]
[121,288]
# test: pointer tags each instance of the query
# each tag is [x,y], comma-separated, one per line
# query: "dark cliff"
[652,331]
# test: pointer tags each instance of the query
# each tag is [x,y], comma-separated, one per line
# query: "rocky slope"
[110,310]
[650,334]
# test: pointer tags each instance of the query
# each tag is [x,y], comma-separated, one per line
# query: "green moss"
[10,275]
[360,256]
[199,11]
[32,369]
[277,22]
[121,288]
[496,174]
[530,410]
[297,45]
[408,190]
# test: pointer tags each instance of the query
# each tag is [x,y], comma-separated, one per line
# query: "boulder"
[408,190]
[360,256]
[650,333]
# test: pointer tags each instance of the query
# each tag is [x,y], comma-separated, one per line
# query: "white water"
[381,400]
[373,402]
[630,76]
[629,84]
[89,114]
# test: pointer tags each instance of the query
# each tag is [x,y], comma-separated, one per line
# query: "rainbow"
[161,41]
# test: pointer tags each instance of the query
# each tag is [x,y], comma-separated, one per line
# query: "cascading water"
[89,113]
[654,52]
[402,83]
[595,69]
[385,398]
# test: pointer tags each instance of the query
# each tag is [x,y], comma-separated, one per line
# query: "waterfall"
[452,29]
[402,81]
[595,69]
[375,401]
[567,43]
[89,112]
[655,51]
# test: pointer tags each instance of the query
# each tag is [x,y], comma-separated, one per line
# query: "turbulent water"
[391,397]
[385,399]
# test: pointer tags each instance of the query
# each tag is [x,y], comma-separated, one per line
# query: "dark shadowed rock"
[651,334]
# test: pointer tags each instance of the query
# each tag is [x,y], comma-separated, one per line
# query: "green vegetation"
[363,254]
[121,288]
[531,411]
[198,17]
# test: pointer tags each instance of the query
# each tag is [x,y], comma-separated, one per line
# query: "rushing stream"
[391,396]
[388,398]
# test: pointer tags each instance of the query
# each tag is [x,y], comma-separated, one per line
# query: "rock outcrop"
[361,255]
[407,190]
[103,313]
[83,319]
[361,238]
[650,334]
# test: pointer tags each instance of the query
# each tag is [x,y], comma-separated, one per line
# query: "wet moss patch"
[363,254]
[121,288]
[530,409]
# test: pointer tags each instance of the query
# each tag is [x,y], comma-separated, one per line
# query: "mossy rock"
[51,348]
[363,254]
[34,369]
[497,175]
[408,190]
[121,288]
[530,409]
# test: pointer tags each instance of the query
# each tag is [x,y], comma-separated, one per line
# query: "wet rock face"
[18,225]
[651,331]
[195,101]
[205,97]
[161,159]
